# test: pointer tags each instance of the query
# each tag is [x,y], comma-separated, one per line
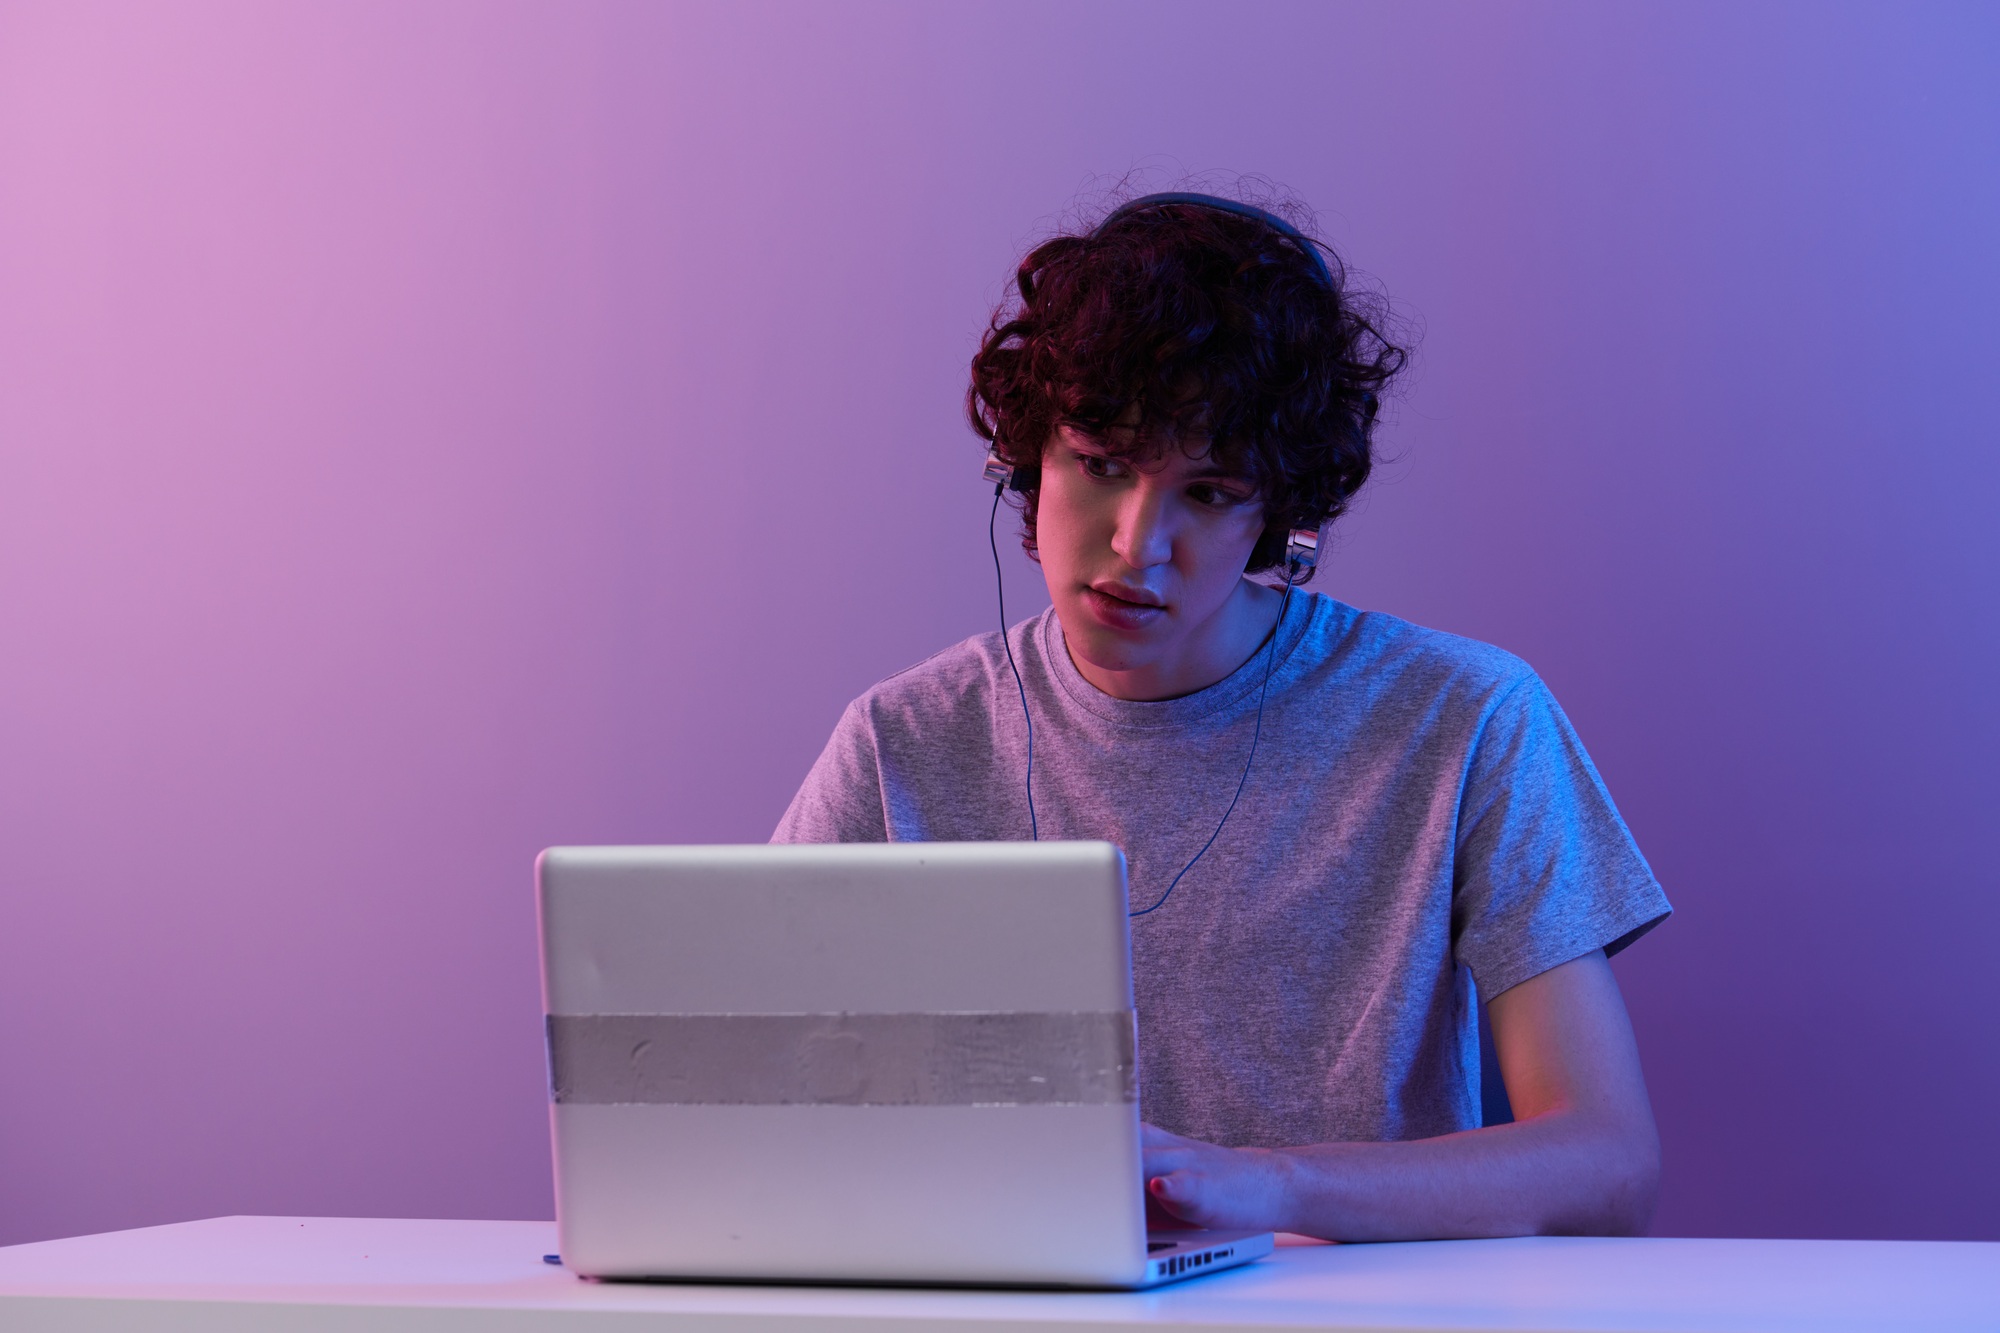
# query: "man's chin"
[1096,647]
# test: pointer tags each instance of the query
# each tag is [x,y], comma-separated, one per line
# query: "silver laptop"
[905,1062]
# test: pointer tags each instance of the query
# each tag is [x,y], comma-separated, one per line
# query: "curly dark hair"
[1198,328]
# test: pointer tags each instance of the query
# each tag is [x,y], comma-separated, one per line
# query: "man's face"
[1145,566]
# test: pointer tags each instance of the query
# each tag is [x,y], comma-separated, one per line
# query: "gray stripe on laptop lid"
[975,1059]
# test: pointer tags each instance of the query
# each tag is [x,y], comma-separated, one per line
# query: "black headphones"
[1301,544]
[1271,220]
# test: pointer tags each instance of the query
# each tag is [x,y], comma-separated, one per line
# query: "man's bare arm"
[1582,1156]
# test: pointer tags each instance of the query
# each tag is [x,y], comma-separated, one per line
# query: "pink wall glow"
[430,431]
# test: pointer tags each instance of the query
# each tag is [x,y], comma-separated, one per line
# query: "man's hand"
[1204,1185]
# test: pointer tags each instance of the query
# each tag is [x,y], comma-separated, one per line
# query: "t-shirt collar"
[1236,688]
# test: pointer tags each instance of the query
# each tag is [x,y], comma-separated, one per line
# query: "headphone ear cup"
[999,472]
[1301,553]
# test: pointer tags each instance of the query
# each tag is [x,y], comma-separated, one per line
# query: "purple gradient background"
[433,431]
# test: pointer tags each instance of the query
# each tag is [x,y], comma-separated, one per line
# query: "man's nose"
[1145,528]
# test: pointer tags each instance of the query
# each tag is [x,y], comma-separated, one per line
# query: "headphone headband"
[1221,205]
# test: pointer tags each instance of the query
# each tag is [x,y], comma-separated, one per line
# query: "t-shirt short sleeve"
[841,798]
[1545,869]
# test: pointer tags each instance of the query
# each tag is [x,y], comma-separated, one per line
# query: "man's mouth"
[1125,592]
[1122,606]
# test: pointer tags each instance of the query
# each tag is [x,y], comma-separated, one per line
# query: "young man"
[1344,832]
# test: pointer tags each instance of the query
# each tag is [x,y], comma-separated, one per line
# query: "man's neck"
[1210,653]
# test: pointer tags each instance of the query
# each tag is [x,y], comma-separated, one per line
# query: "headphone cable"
[1000,584]
[1263,691]
[1256,733]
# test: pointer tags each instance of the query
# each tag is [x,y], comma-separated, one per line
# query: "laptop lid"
[861,1062]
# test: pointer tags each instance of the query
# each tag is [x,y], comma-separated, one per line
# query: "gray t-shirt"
[1420,817]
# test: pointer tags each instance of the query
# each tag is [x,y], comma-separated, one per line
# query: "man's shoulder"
[957,680]
[1401,658]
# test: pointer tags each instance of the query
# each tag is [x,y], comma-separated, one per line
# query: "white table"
[400,1276]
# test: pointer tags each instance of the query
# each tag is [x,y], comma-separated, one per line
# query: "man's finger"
[1173,1188]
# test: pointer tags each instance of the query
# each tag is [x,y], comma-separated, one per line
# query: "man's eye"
[1214,496]
[1097,467]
